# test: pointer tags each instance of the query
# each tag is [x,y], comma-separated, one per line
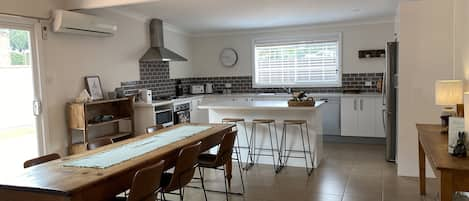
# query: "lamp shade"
[448,92]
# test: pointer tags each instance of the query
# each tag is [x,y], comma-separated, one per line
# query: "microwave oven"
[164,117]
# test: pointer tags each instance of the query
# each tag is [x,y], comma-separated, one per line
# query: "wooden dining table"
[53,181]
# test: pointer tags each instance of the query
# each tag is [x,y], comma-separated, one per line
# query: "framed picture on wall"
[94,87]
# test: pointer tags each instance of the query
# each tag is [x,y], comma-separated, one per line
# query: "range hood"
[157,51]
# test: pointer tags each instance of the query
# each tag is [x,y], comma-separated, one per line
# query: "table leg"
[446,186]
[422,176]
[229,170]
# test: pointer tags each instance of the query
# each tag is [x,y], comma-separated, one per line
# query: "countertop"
[289,95]
[255,105]
[188,98]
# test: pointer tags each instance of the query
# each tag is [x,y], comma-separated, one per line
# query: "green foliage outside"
[19,40]
[18,58]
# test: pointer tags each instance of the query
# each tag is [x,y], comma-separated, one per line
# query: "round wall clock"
[228,57]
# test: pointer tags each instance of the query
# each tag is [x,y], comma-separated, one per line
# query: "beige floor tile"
[348,172]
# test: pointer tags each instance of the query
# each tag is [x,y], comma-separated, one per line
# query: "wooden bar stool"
[283,150]
[252,151]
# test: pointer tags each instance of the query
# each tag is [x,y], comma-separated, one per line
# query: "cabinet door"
[349,116]
[366,116]
[198,115]
[379,121]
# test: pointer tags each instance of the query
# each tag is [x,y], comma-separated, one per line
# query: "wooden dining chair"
[145,184]
[218,161]
[154,128]
[40,160]
[98,143]
[183,172]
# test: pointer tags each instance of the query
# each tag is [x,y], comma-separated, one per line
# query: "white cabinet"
[349,116]
[198,115]
[380,132]
[359,116]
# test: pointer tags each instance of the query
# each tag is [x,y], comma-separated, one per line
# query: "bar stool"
[283,141]
[252,151]
[237,148]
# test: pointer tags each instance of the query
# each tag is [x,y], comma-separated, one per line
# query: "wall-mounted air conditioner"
[78,23]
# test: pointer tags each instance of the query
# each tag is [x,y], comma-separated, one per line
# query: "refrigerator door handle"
[384,114]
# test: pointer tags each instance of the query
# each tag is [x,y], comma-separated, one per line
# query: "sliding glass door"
[20,108]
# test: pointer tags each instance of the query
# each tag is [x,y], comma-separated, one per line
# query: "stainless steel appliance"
[330,113]
[197,89]
[157,51]
[390,88]
[164,116]
[209,88]
[182,112]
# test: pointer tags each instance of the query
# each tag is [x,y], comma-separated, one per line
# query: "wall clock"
[228,57]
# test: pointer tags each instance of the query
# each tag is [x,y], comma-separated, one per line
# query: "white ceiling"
[206,16]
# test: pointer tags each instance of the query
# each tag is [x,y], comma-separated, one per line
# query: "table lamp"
[448,93]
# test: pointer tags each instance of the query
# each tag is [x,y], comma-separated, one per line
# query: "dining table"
[103,173]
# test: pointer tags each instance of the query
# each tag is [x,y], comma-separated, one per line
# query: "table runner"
[135,149]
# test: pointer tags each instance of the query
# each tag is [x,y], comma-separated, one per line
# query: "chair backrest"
[154,128]
[185,167]
[226,148]
[40,160]
[146,182]
[98,143]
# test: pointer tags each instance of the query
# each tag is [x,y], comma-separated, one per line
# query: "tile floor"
[349,172]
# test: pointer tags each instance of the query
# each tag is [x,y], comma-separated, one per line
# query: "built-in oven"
[164,116]
[182,112]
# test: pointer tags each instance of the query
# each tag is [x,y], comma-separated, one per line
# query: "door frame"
[34,26]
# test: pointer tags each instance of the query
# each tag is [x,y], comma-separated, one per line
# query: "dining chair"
[98,143]
[40,160]
[218,161]
[154,128]
[183,172]
[145,184]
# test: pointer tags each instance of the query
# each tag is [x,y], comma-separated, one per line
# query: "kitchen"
[222,65]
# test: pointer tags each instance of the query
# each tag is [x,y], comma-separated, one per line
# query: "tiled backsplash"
[155,76]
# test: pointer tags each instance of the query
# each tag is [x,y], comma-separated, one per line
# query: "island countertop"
[255,105]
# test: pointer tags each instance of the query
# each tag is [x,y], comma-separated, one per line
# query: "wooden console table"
[452,171]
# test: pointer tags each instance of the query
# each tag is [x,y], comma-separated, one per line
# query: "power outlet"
[368,83]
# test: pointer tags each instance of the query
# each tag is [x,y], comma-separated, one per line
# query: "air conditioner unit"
[78,23]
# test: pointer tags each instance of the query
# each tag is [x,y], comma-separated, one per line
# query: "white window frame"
[314,38]
[34,26]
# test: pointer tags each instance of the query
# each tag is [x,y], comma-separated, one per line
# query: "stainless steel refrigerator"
[390,88]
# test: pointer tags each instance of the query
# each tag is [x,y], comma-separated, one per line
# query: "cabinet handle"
[361,104]
[354,104]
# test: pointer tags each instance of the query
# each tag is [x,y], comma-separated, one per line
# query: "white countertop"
[280,95]
[255,105]
[168,102]
[253,95]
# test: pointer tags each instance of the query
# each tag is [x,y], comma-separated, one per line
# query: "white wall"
[206,49]
[35,8]
[68,58]
[426,55]
[462,39]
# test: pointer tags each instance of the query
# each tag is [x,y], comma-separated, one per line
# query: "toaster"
[197,89]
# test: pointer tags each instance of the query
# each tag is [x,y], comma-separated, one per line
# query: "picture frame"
[94,87]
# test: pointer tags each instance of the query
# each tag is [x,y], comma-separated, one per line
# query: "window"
[313,62]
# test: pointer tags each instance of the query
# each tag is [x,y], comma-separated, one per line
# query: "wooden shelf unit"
[81,116]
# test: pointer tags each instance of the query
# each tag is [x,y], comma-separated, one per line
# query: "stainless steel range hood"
[157,51]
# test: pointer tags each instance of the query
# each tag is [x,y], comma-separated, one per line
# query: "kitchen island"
[271,109]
